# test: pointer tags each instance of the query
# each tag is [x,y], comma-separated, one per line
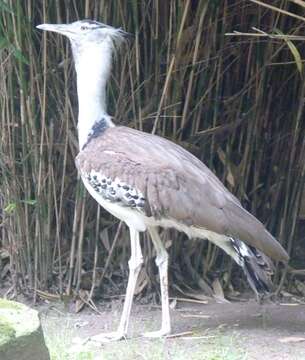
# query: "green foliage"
[7,332]
[5,7]
[11,207]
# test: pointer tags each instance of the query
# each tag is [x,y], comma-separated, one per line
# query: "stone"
[21,335]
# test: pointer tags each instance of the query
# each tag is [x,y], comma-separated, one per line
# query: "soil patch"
[243,330]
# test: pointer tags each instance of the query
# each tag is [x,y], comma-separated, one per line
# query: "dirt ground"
[243,330]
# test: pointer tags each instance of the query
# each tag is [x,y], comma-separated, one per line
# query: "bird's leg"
[162,263]
[135,263]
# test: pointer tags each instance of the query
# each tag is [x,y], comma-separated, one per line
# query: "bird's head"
[87,32]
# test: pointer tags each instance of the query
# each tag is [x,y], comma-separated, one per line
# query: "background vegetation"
[236,102]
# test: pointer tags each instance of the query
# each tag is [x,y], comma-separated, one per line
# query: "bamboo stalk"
[181,78]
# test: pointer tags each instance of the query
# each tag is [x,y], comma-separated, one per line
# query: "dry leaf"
[141,282]
[4,254]
[105,238]
[186,333]
[198,337]
[193,294]
[79,304]
[191,300]
[218,288]
[218,292]
[195,316]
[292,339]
[173,304]
[286,293]
[81,300]
[5,270]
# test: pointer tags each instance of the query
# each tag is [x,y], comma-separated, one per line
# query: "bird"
[151,183]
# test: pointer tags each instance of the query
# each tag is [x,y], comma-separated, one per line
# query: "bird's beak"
[63,29]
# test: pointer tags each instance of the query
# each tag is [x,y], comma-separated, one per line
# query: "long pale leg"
[135,263]
[162,263]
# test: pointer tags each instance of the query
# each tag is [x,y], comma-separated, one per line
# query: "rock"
[21,336]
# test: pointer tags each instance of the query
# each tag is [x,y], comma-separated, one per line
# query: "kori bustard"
[149,182]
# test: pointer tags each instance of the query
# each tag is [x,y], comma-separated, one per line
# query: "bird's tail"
[257,267]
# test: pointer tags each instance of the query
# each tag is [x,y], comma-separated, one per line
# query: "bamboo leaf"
[19,55]
[3,43]
[294,51]
[10,208]
[299,2]
[29,202]
[275,8]
[5,7]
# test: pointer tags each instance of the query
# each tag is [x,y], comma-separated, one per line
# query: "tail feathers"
[257,267]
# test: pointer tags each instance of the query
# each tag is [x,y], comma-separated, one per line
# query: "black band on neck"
[97,129]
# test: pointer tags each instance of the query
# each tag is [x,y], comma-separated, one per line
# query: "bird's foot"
[157,334]
[108,337]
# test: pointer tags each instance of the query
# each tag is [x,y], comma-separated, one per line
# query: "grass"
[59,333]
[58,336]
[221,348]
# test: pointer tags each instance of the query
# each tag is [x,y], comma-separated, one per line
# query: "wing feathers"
[246,227]
[175,184]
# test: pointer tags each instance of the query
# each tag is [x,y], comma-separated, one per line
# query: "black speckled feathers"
[116,191]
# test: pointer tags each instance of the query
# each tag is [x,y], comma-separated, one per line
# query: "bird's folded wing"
[174,184]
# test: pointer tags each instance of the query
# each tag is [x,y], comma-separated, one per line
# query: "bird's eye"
[84,27]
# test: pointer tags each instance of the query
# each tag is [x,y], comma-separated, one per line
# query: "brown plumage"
[175,184]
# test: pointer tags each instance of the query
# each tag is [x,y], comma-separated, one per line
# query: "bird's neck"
[93,66]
